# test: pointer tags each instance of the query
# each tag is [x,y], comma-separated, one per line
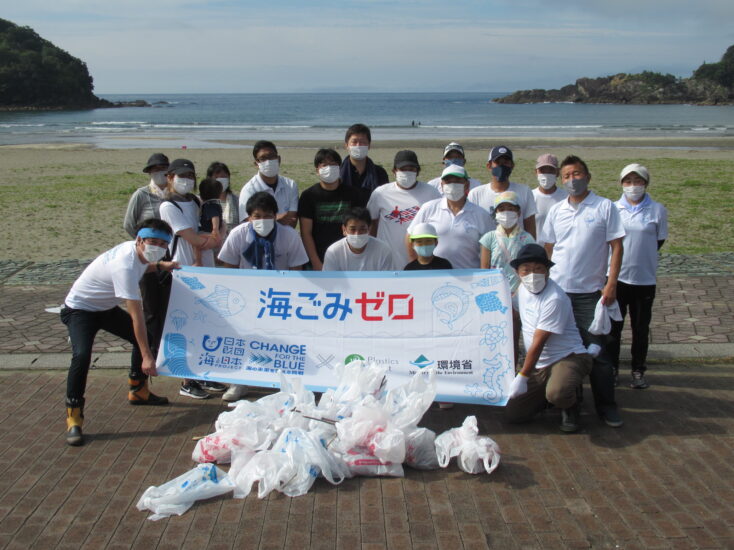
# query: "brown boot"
[139,394]
[74,421]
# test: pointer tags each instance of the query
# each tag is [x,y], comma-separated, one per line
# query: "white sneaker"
[235,392]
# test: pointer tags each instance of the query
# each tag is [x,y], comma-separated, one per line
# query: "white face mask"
[534,282]
[453,191]
[546,181]
[159,179]
[182,186]
[269,168]
[224,182]
[358,152]
[507,219]
[634,192]
[263,227]
[406,179]
[153,253]
[329,174]
[358,241]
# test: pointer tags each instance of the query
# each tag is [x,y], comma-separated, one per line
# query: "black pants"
[638,299]
[83,327]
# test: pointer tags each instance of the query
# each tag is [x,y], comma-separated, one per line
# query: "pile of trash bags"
[285,441]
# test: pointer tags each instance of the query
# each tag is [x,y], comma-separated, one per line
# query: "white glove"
[594,350]
[519,385]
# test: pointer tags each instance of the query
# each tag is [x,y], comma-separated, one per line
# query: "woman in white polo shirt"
[646,228]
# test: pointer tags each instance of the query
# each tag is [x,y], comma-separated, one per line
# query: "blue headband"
[150,233]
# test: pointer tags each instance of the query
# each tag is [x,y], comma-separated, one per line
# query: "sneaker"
[638,380]
[445,406]
[193,389]
[215,387]
[611,417]
[235,392]
[570,419]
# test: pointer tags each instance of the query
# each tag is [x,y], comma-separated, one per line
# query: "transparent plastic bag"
[407,404]
[420,449]
[179,494]
[361,462]
[214,448]
[369,427]
[475,453]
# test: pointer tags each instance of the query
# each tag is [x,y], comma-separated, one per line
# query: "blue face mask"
[426,250]
[453,162]
[502,173]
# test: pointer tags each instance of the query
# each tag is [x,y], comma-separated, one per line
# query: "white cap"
[423,231]
[454,170]
[636,168]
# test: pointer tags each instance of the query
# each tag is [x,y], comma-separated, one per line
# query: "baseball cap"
[638,169]
[500,151]
[546,160]
[405,158]
[156,159]
[453,146]
[509,197]
[454,170]
[423,231]
[181,166]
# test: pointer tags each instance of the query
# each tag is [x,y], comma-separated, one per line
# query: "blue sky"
[179,46]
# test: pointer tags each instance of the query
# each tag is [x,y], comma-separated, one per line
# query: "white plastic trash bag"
[603,316]
[420,449]
[474,453]
[178,495]
[361,462]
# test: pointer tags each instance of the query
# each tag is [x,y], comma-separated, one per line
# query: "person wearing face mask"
[229,199]
[453,153]
[358,170]
[358,250]
[583,236]
[459,223]
[93,304]
[268,179]
[547,193]
[500,165]
[424,240]
[321,207]
[646,228]
[393,206]
[145,203]
[556,361]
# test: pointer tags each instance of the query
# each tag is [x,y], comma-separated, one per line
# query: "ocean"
[203,120]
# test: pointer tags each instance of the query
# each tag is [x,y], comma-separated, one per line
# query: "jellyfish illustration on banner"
[178,318]
[223,301]
[451,302]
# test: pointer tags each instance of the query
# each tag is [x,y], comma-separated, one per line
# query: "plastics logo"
[422,362]
[353,357]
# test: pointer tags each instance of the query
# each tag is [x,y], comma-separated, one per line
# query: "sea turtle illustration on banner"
[493,335]
[490,302]
[451,302]
[224,301]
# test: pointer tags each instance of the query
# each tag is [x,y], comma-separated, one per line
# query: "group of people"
[562,248]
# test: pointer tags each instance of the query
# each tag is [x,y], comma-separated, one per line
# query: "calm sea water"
[198,120]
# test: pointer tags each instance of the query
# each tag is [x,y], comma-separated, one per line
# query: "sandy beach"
[68,201]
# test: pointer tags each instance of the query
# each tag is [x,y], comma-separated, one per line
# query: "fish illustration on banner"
[224,301]
[193,283]
[451,302]
[490,302]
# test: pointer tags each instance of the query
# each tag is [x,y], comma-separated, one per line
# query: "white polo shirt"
[580,237]
[543,204]
[187,217]
[483,196]
[289,250]
[458,236]
[286,194]
[394,208]
[644,226]
[436,183]
[549,310]
[376,256]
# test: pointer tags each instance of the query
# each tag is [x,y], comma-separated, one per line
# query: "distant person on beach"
[358,170]
[424,239]
[459,224]
[146,201]
[321,207]
[583,236]
[500,165]
[210,216]
[93,304]
[394,205]
[646,228]
[453,153]
[547,193]
[358,250]
[268,179]
[181,212]
[230,201]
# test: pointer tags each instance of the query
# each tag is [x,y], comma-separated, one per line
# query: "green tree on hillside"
[722,72]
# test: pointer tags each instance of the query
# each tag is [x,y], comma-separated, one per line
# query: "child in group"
[210,218]
[424,239]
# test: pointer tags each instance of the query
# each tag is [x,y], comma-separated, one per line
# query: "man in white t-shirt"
[500,165]
[556,361]
[547,193]
[579,233]
[394,205]
[358,251]
[458,223]
[93,304]
[453,153]
[268,179]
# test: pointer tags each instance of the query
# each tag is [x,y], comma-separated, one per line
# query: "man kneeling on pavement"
[556,360]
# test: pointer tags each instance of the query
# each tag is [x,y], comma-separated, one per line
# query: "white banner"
[245,326]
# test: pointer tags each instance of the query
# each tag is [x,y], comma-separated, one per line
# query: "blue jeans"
[602,372]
